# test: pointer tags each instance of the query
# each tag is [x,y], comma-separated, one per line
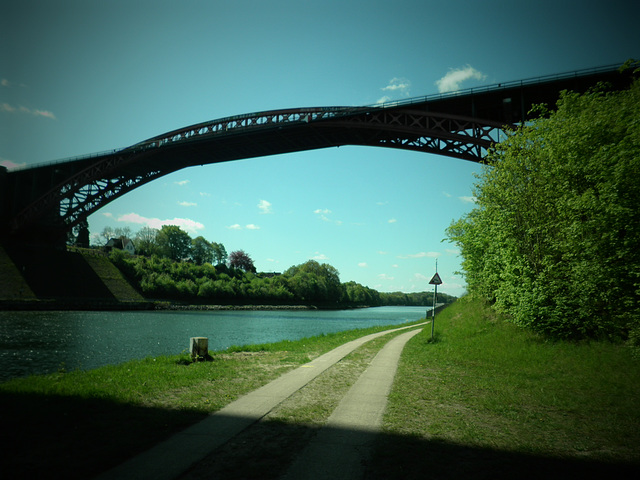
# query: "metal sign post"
[436,280]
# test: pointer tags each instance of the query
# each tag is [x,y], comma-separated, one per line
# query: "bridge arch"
[54,198]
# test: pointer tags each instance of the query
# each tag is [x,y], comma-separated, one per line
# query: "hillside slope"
[12,284]
[112,278]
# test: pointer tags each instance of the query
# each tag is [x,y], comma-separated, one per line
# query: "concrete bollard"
[199,347]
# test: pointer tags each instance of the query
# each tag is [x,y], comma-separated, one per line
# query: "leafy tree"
[553,239]
[160,277]
[240,259]
[109,232]
[201,251]
[219,254]
[105,235]
[357,294]
[312,281]
[174,243]
[80,235]
[146,241]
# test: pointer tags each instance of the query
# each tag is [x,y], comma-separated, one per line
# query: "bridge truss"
[49,200]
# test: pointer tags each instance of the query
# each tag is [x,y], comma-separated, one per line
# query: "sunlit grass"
[75,424]
[177,382]
[486,383]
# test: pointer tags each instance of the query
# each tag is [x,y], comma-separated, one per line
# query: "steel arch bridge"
[45,202]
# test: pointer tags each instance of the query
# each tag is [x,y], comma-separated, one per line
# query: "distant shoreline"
[234,307]
[84,305]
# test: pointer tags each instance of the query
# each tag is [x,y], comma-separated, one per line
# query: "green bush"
[553,239]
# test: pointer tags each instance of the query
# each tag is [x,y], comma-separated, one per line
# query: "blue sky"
[84,76]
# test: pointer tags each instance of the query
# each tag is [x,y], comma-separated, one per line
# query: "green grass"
[267,448]
[486,389]
[76,424]
[12,284]
[484,400]
[110,276]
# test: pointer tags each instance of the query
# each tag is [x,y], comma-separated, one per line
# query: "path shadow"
[268,450]
[73,438]
[76,438]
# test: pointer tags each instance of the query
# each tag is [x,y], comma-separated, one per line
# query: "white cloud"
[398,86]
[446,194]
[392,220]
[468,199]
[237,226]
[395,265]
[6,83]
[264,206]
[455,77]
[205,194]
[320,256]
[380,252]
[43,113]
[182,182]
[322,214]
[9,164]
[363,264]
[5,107]
[188,204]
[190,226]
[419,277]
[395,83]
[421,255]
[384,276]
[108,214]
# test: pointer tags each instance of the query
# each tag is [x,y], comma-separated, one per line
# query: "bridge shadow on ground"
[75,438]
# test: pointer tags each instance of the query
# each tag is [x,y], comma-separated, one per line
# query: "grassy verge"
[489,400]
[111,276]
[484,400]
[76,424]
[267,448]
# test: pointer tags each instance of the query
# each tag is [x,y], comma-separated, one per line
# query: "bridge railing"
[257,119]
[218,126]
[76,158]
[498,86]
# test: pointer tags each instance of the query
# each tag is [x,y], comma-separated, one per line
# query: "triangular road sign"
[436,280]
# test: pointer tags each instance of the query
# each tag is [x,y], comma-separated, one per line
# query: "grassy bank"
[484,400]
[76,424]
[489,400]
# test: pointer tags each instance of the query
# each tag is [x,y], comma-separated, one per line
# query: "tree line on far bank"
[310,283]
[170,265]
[171,242]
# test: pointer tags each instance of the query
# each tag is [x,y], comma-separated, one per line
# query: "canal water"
[44,342]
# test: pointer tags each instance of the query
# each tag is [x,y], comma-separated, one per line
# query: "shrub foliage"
[554,237]
[310,283]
